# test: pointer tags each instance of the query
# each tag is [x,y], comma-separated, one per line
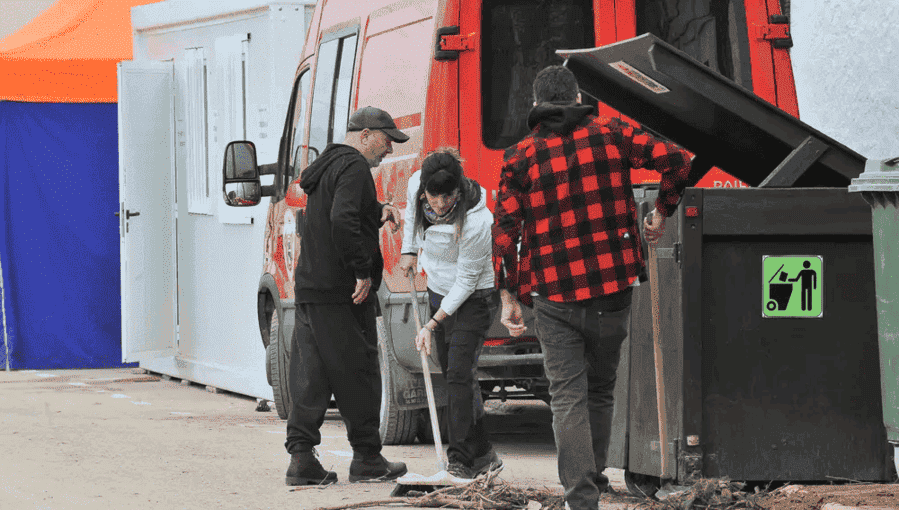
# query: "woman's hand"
[423,341]
[408,264]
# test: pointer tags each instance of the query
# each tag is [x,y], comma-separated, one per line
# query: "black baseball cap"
[375,118]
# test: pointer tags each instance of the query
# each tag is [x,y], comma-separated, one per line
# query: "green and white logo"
[792,286]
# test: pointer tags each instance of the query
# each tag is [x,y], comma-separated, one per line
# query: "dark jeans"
[458,342]
[335,350]
[581,345]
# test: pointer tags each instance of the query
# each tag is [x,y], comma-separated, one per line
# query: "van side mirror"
[240,175]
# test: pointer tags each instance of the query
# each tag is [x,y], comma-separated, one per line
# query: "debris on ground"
[486,492]
[483,493]
[859,495]
[711,494]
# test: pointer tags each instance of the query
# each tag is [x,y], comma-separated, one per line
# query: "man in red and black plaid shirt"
[565,193]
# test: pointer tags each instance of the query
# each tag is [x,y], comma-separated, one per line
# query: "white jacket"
[454,269]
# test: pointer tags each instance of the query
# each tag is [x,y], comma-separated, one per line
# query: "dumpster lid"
[725,125]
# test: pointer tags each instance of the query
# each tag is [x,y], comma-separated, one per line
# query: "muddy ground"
[119,438]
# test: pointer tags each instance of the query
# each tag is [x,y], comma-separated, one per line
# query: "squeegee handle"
[426,375]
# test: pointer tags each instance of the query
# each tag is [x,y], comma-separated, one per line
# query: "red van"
[458,73]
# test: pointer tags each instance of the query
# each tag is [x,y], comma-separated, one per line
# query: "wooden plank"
[795,164]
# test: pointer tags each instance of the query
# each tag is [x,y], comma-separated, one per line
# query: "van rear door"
[513,40]
[745,40]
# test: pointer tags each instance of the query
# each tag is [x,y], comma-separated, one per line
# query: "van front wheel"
[278,354]
[397,426]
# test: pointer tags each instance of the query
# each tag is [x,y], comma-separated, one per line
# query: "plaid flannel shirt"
[569,200]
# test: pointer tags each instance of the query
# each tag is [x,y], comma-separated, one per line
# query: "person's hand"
[392,214]
[362,288]
[511,316]
[408,264]
[423,341]
[653,227]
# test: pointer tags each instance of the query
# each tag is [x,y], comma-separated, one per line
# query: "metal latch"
[670,253]
[450,43]
[777,31]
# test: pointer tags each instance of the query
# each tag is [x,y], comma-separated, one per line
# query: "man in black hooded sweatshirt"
[335,343]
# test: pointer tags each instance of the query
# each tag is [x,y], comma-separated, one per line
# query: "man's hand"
[511,316]
[362,288]
[653,227]
[392,214]
[408,264]
[423,341]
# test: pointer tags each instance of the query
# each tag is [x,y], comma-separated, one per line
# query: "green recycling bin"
[879,186]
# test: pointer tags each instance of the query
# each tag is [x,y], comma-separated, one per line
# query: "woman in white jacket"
[448,221]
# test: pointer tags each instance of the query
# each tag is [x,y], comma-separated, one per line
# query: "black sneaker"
[459,470]
[486,463]
[375,469]
[305,469]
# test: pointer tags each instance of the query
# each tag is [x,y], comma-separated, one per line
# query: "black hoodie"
[340,234]
[561,119]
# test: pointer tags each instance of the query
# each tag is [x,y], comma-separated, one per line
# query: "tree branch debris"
[486,493]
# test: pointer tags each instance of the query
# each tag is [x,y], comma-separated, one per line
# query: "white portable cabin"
[203,74]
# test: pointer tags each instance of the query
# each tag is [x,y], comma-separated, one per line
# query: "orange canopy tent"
[68,53]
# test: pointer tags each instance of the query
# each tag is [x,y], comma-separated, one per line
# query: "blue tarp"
[60,240]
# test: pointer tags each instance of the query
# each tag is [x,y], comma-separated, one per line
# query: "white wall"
[847,77]
[220,261]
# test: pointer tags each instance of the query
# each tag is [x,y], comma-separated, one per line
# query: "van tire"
[278,354]
[425,434]
[397,426]
[268,362]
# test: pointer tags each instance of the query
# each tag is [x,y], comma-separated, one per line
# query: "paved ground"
[117,439]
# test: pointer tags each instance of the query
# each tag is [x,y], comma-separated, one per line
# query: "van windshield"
[523,38]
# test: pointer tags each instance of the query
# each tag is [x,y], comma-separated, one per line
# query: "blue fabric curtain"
[60,241]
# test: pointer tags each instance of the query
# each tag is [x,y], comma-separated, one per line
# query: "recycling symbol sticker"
[792,286]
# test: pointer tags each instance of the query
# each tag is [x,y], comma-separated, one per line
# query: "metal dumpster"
[763,383]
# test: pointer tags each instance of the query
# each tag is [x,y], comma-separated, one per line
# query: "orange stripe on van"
[407,121]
